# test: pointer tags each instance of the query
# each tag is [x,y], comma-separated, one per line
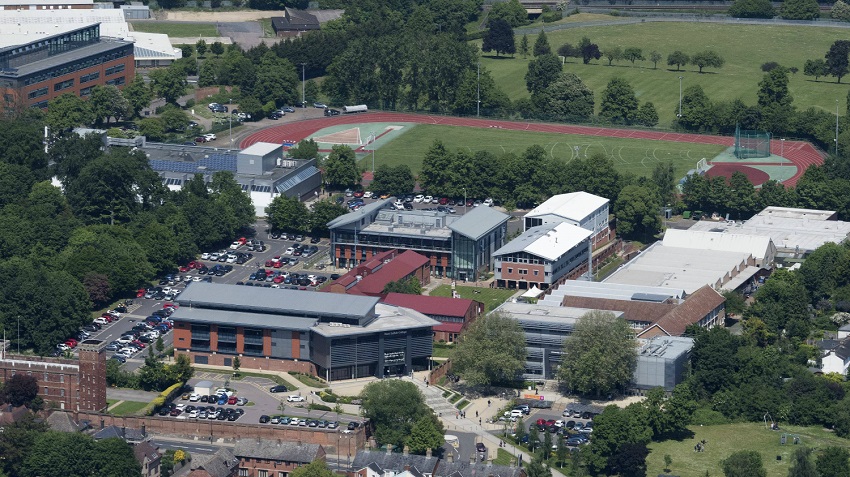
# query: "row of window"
[81,65]
[64,85]
[243,472]
[90,77]
[521,271]
[116,82]
[37,93]
[114,69]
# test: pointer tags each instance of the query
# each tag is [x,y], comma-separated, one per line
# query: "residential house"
[265,458]
[221,464]
[149,457]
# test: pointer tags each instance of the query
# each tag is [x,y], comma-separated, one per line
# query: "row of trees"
[836,62]
[789,10]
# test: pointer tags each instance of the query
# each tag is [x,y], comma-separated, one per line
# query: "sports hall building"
[334,336]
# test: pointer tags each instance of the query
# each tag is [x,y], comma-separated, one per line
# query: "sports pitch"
[636,156]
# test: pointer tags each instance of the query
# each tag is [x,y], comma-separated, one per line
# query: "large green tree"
[707,59]
[511,11]
[393,407]
[277,81]
[773,89]
[599,357]
[816,68]
[499,38]
[542,72]
[637,209]
[107,102]
[802,463]
[800,10]
[138,95]
[833,461]
[68,111]
[426,434]
[619,103]
[491,351]
[77,455]
[393,180]
[541,45]
[317,468]
[837,61]
[745,463]
[567,99]
[322,212]
[752,9]
[341,169]
[288,214]
[168,83]
[678,59]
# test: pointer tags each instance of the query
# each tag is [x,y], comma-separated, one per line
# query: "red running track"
[801,154]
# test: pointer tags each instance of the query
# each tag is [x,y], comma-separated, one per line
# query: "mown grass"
[723,440]
[491,297]
[127,408]
[177,29]
[634,156]
[308,380]
[744,47]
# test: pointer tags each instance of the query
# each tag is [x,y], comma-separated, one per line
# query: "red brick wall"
[254,362]
[129,74]
[273,467]
[528,277]
[203,430]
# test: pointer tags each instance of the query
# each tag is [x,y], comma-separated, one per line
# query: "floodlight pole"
[478,102]
[782,147]
[680,97]
[464,199]
[836,128]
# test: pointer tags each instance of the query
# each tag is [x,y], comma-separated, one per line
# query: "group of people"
[700,447]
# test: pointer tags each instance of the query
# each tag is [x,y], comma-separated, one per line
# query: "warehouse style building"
[458,246]
[543,256]
[334,336]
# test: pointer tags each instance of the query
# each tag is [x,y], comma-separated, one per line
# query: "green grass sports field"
[176,29]
[630,155]
[744,47]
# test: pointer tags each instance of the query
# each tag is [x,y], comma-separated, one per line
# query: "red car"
[358,194]
[278,279]
[140,293]
[269,263]
[232,400]
[191,264]
[184,269]
[139,344]
[108,317]
[242,240]
[71,342]
[444,200]
[170,305]
[277,264]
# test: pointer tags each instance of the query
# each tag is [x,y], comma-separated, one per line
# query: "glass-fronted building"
[457,246]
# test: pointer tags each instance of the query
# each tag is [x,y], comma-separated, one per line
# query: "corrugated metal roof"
[478,222]
[574,206]
[355,216]
[757,245]
[277,301]
[548,241]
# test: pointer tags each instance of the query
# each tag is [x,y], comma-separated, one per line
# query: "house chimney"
[406,450]
[144,434]
[428,452]
[389,449]
[102,423]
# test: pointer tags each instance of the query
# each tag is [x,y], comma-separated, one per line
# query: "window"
[86,91]
[262,473]
[46,391]
[510,270]
[63,85]
[202,360]
[115,69]
[37,93]
[89,77]
[62,392]
[243,472]
[61,378]
[116,82]
[536,272]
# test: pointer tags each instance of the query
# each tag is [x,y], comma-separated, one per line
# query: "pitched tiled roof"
[449,327]
[695,307]
[10,415]
[431,305]
[394,461]
[145,450]
[632,310]
[277,450]
[381,269]
[220,464]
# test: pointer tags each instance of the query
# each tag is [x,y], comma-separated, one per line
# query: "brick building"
[77,385]
[265,458]
[35,70]
[370,277]
[454,314]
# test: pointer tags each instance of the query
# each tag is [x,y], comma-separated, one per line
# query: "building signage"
[394,357]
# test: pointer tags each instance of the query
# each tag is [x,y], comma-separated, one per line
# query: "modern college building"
[334,336]
[35,70]
[586,210]
[458,246]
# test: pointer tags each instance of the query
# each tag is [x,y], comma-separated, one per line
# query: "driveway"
[245,34]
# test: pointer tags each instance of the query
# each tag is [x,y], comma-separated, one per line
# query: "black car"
[331,112]
[315,239]
[275,115]
[264,419]
[408,206]
[480,447]
[353,425]
[280,388]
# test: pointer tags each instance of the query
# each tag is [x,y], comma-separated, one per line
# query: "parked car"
[295,398]
[280,388]
[320,105]
[332,112]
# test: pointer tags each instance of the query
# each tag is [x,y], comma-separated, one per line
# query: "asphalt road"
[184,445]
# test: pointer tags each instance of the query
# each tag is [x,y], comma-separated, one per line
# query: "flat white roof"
[789,231]
[575,206]
[611,291]
[676,267]
[759,246]
[547,241]
[261,148]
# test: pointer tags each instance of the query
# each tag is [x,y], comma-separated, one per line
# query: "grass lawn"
[177,29]
[744,47]
[723,440]
[630,155]
[309,380]
[127,408]
[442,351]
[491,297]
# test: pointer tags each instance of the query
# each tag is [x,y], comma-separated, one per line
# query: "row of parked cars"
[298,421]
[213,413]
[275,278]
[87,330]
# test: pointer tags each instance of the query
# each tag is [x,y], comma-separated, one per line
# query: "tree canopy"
[395,408]
[491,351]
[599,357]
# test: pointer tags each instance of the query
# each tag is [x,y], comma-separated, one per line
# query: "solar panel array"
[296,179]
[213,163]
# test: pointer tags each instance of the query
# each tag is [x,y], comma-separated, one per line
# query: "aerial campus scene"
[442,238]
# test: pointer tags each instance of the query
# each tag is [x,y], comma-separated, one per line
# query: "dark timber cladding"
[334,336]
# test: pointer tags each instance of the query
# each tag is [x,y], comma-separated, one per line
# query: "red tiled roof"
[431,305]
[641,311]
[695,307]
[449,327]
[401,266]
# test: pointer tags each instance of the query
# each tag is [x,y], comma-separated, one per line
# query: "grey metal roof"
[355,216]
[277,450]
[277,301]
[242,318]
[478,222]
[73,56]
[390,318]
[261,148]
[393,461]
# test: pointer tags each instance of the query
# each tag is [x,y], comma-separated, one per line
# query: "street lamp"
[464,199]
[680,97]
[230,120]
